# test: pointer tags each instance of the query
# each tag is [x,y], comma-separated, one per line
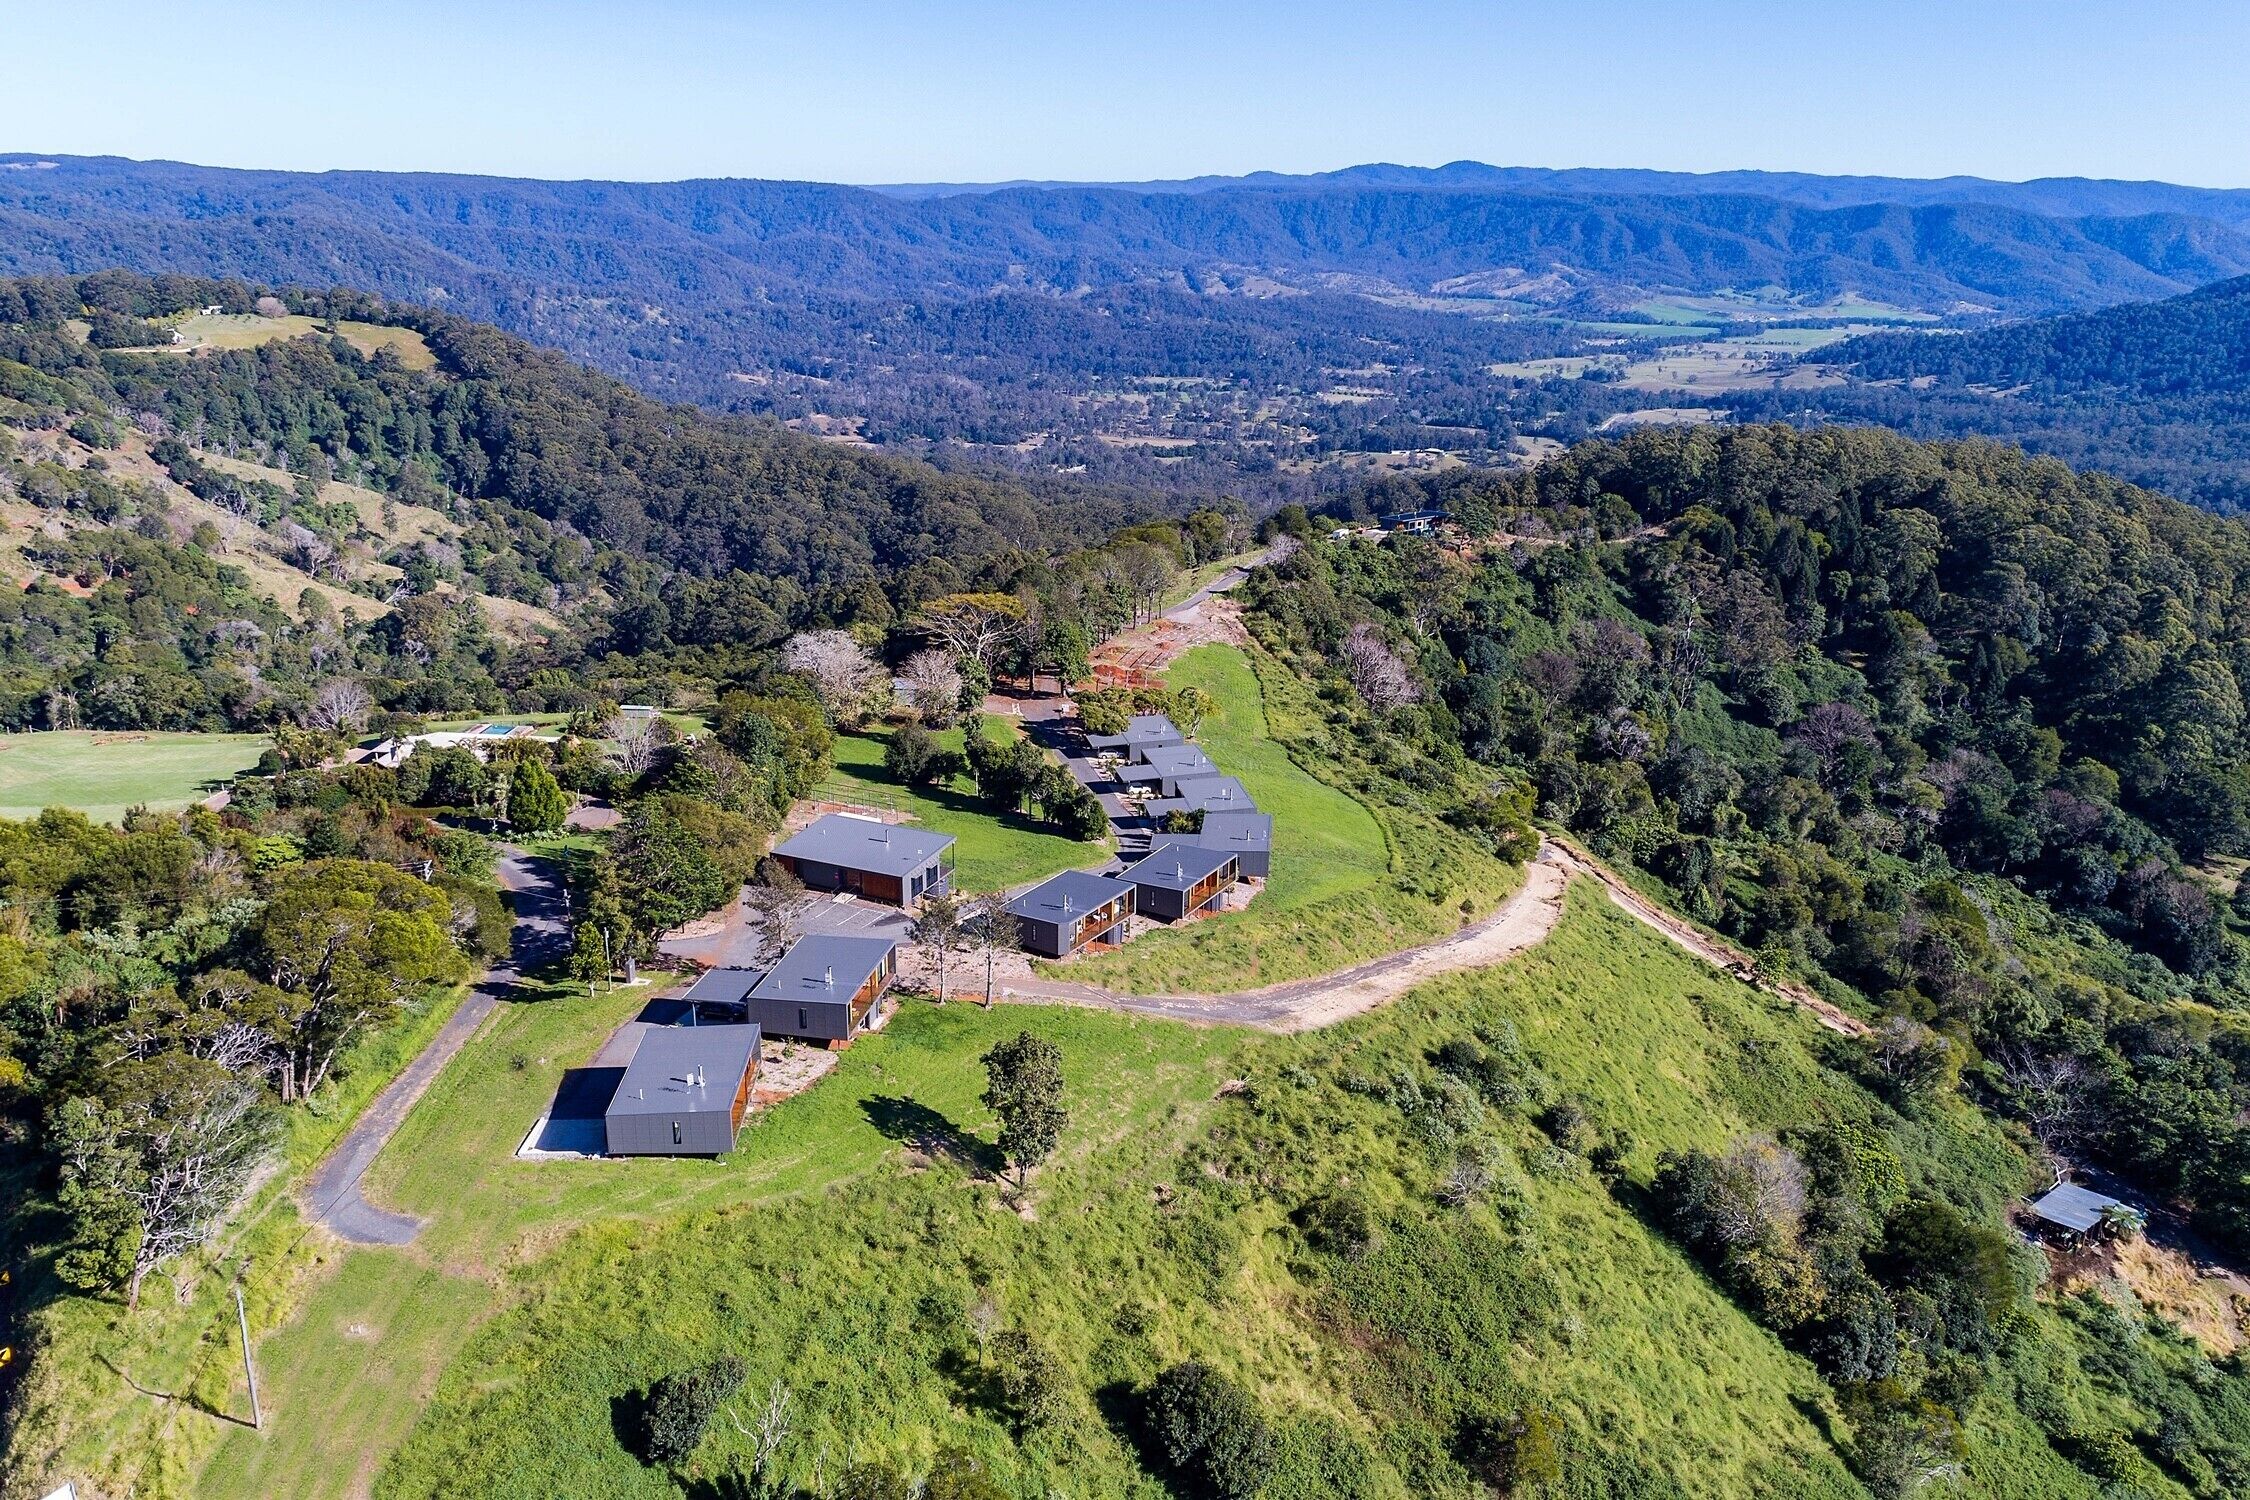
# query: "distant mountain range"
[2058,197]
[1357,309]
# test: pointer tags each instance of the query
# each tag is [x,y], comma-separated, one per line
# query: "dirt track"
[1524,920]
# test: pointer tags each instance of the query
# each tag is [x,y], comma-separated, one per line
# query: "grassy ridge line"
[1354,875]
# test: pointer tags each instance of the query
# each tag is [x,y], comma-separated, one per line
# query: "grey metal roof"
[2073,1207]
[724,986]
[860,844]
[824,966]
[1073,893]
[1216,794]
[1141,729]
[685,1070]
[1180,760]
[1176,865]
[1238,831]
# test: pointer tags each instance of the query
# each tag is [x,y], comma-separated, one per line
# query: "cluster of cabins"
[685,1091]
[1183,874]
[687,1086]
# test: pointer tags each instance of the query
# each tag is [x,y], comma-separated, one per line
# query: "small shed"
[1178,879]
[1062,915]
[880,861]
[1143,733]
[1248,836]
[2077,1212]
[825,988]
[684,1092]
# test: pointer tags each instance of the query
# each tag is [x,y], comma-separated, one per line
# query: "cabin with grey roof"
[1062,915]
[880,861]
[825,988]
[1177,879]
[684,1093]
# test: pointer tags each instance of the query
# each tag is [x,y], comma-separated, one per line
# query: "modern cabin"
[1063,915]
[1178,879]
[1167,766]
[1205,794]
[824,989]
[1143,733]
[1248,836]
[684,1093]
[880,861]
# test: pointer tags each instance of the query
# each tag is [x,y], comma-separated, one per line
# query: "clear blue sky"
[962,90]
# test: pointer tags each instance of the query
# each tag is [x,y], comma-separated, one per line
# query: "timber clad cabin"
[880,861]
[1075,908]
[1143,733]
[1248,836]
[684,1092]
[1180,879]
[824,989]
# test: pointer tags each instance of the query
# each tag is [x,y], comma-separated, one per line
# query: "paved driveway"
[331,1195]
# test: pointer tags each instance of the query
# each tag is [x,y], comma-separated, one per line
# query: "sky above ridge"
[971,91]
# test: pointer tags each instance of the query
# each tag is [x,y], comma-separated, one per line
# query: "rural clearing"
[102,774]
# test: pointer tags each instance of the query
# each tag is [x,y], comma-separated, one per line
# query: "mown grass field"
[1351,878]
[1162,1231]
[995,848]
[103,774]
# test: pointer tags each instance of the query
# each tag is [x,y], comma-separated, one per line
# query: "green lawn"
[1339,891]
[103,774]
[345,1378]
[995,848]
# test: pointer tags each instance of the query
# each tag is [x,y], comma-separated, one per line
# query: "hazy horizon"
[887,93]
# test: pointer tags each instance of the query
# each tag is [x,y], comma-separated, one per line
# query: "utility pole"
[606,971]
[249,1370]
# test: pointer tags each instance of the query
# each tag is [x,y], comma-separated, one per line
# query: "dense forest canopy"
[1956,729]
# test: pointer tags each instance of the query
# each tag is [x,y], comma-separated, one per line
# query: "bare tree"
[311,551]
[774,1423]
[776,911]
[937,927]
[1147,571]
[842,674]
[1376,671]
[634,740]
[984,1322]
[341,706]
[997,931]
[2050,1089]
[934,683]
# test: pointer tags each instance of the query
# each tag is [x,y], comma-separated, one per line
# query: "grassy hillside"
[1165,1230]
[1353,875]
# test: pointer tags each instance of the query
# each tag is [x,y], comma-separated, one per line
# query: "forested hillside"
[2158,392]
[1958,732]
[654,529]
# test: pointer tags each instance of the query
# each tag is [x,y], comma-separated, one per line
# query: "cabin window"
[675,1132]
[804,1023]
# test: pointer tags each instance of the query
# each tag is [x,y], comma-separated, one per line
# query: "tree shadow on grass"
[976,1384]
[628,1422]
[923,1129]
